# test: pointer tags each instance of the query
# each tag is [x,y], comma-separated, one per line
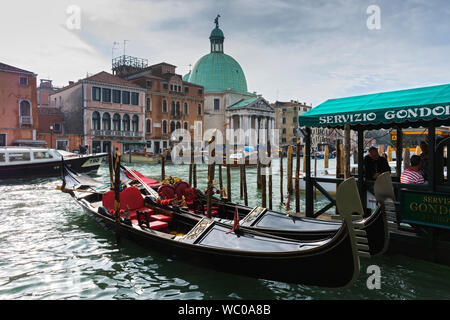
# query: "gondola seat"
[130,197]
[160,217]
[166,191]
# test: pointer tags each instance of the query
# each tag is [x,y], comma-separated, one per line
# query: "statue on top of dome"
[216,21]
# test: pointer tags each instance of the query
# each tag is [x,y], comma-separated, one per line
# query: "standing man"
[375,165]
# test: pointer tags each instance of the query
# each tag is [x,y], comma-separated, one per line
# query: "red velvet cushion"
[160,217]
[132,197]
[166,192]
[108,200]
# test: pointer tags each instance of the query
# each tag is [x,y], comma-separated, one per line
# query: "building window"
[199,109]
[126,123]
[148,126]
[186,89]
[135,98]
[164,126]
[23,81]
[149,83]
[96,120]
[186,125]
[178,126]
[164,106]
[165,86]
[294,119]
[172,126]
[125,97]
[284,130]
[186,108]
[216,104]
[2,140]
[172,109]
[57,128]
[63,145]
[96,93]
[106,95]
[284,120]
[135,124]
[178,110]
[25,112]
[106,121]
[171,87]
[148,105]
[200,92]
[116,96]
[116,122]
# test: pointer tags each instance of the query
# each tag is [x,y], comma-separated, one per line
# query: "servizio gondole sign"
[385,116]
[431,209]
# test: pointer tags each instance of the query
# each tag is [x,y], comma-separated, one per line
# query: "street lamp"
[51,137]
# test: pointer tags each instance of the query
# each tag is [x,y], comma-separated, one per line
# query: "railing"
[115,133]
[26,120]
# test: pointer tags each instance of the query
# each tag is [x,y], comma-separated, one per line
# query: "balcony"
[114,133]
[26,120]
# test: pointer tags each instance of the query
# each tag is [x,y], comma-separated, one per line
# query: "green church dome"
[217,71]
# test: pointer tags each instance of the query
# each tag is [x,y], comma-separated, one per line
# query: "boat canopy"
[404,108]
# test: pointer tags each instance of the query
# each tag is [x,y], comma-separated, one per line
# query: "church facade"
[228,103]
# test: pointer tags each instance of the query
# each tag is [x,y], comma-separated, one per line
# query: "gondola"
[277,223]
[261,219]
[332,262]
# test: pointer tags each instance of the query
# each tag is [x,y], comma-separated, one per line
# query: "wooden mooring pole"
[163,164]
[281,176]
[297,177]
[269,153]
[289,169]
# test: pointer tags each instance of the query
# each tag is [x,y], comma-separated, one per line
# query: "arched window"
[164,126]
[25,112]
[148,126]
[116,122]
[135,123]
[178,112]
[25,108]
[106,121]
[178,125]
[96,120]
[186,125]
[172,108]
[164,106]
[148,105]
[172,126]
[186,108]
[126,122]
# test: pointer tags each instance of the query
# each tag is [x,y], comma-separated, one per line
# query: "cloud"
[300,49]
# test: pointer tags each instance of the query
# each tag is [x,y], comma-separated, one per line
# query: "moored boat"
[28,162]
[210,243]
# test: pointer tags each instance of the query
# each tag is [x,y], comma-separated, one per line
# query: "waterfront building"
[105,110]
[228,104]
[44,91]
[18,106]
[286,120]
[170,102]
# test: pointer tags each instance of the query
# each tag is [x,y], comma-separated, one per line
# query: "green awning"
[412,107]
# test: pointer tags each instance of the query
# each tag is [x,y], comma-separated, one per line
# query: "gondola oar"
[117,194]
[152,192]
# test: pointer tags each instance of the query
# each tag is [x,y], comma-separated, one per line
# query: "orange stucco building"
[105,111]
[18,105]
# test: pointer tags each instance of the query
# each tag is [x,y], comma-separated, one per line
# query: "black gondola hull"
[329,265]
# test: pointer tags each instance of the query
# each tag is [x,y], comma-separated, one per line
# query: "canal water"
[51,249]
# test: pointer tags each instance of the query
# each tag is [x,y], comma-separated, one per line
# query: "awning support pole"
[431,163]
[361,178]
[309,184]
[399,152]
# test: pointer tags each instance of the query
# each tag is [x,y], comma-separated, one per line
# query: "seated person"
[424,160]
[374,165]
[412,174]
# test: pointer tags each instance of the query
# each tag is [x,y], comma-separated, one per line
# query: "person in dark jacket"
[374,165]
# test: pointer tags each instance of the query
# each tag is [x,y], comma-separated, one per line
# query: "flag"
[236,221]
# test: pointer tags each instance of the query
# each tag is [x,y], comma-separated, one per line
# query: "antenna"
[114,47]
[124,45]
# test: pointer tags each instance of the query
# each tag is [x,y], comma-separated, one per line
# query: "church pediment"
[254,104]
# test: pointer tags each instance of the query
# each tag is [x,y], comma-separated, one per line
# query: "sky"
[304,50]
